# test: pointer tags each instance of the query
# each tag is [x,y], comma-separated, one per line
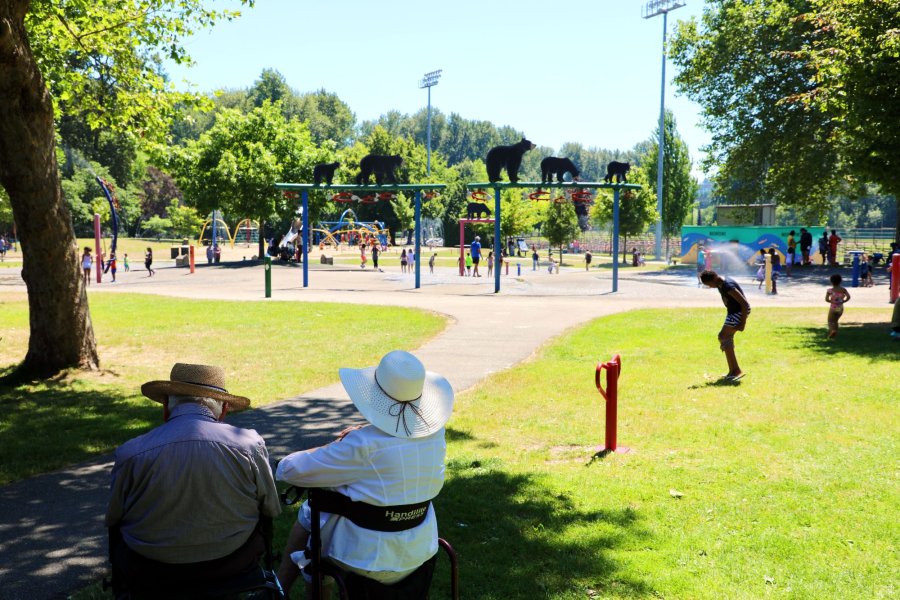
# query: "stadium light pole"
[651,9]
[429,81]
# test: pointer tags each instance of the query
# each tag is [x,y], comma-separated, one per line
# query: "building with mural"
[744,242]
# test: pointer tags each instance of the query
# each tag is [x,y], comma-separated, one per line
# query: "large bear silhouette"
[382,165]
[508,156]
[324,172]
[619,170]
[560,166]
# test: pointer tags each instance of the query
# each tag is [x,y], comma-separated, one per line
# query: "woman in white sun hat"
[389,470]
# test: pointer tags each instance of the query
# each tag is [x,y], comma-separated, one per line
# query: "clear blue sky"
[578,71]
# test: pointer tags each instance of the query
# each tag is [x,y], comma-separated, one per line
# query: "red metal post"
[191,254]
[613,369]
[895,277]
[462,247]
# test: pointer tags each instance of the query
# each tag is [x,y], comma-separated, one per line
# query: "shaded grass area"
[270,351]
[783,485]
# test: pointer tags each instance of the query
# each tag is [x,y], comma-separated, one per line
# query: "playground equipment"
[219,225]
[579,186]
[610,394]
[246,231]
[350,191]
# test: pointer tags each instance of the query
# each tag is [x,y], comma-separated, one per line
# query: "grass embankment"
[782,486]
[270,350]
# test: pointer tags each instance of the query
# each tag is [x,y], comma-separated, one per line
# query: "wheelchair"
[352,586]
[257,583]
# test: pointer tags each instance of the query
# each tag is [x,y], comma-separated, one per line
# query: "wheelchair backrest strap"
[368,516]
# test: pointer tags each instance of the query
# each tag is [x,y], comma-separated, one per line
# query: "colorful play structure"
[348,227]
[741,242]
[245,232]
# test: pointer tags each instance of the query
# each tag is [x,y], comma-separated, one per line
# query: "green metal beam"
[565,184]
[346,187]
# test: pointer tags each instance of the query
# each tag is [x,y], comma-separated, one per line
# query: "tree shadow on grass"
[508,532]
[49,424]
[869,340]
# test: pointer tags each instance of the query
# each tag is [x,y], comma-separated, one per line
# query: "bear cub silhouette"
[508,156]
[324,172]
[560,166]
[474,210]
[382,165]
[619,170]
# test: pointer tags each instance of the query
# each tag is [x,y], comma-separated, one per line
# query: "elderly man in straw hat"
[186,497]
[389,470]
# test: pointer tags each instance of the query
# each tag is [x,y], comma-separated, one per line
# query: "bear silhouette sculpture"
[506,156]
[560,166]
[618,170]
[324,172]
[474,210]
[383,166]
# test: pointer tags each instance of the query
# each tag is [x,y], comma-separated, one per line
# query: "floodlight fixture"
[654,8]
[429,81]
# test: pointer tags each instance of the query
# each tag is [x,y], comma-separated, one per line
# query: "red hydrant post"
[895,277]
[613,369]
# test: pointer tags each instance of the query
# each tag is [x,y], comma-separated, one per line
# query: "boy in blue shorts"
[738,310]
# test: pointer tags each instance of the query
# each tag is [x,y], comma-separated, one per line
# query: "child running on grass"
[837,296]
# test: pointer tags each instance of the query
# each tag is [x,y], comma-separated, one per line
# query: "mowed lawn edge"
[270,351]
[782,486]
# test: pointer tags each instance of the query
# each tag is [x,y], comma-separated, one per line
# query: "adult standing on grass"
[475,248]
[86,263]
[186,498]
[738,309]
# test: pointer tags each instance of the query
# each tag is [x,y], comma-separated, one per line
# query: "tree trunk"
[60,324]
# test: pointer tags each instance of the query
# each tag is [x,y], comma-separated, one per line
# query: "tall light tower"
[651,9]
[429,81]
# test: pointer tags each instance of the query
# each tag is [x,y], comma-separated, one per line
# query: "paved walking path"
[52,539]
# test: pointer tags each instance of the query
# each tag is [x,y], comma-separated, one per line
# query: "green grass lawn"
[270,350]
[782,486]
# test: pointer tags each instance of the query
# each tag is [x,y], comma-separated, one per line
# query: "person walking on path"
[534,258]
[86,263]
[148,262]
[775,259]
[431,262]
[209,254]
[403,261]
[587,260]
[837,296]
[738,309]
[125,263]
[468,264]
[476,256]
[833,240]
[375,253]
[490,263]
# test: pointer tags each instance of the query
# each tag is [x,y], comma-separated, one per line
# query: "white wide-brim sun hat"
[399,396]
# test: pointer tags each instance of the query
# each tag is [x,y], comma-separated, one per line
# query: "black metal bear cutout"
[324,172]
[560,166]
[618,170]
[506,156]
[381,165]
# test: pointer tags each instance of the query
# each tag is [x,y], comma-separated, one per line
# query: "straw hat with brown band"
[203,381]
